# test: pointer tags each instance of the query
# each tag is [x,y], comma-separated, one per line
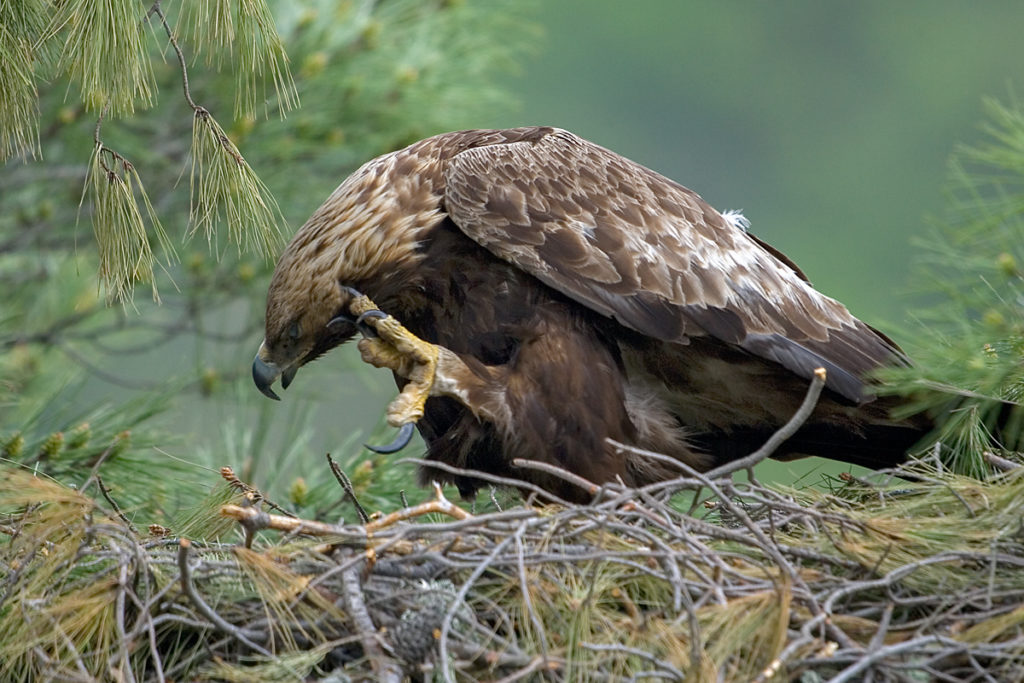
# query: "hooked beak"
[265,373]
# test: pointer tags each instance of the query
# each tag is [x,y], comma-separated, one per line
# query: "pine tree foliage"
[21,23]
[242,34]
[225,189]
[970,346]
[125,255]
[105,53]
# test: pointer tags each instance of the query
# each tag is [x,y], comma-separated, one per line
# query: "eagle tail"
[874,446]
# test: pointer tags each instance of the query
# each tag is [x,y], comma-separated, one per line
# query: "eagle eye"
[294,332]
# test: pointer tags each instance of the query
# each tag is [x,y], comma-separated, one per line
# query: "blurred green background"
[828,124]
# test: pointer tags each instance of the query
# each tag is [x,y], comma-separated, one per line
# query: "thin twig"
[197,601]
[636,652]
[494,499]
[1000,463]
[125,668]
[228,474]
[106,494]
[101,148]
[535,664]
[526,588]
[867,659]
[257,519]
[346,485]
[439,504]
[779,437]
[94,472]
[488,477]
[575,479]
[459,599]
[158,10]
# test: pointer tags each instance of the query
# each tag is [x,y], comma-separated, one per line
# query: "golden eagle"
[536,294]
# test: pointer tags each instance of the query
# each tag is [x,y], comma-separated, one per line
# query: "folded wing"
[644,250]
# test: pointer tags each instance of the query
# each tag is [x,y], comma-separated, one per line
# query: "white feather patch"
[736,219]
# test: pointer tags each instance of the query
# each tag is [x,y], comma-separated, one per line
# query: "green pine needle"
[261,57]
[245,31]
[126,257]
[213,27]
[224,187]
[19,116]
[970,349]
[21,25]
[105,52]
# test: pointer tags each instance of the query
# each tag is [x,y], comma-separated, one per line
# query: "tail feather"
[875,446]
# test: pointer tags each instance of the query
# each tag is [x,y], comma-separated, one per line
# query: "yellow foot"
[402,352]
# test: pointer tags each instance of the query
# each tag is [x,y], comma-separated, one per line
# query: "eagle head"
[303,323]
[365,235]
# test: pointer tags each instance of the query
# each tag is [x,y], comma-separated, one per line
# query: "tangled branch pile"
[900,579]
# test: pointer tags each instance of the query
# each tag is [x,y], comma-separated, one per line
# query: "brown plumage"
[576,296]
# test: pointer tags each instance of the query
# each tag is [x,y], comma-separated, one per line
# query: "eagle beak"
[264,374]
[288,375]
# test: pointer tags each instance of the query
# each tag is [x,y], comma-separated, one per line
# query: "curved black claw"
[351,291]
[400,442]
[367,330]
[339,319]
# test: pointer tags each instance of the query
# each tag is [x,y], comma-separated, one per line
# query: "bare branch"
[346,485]
[204,609]
[385,668]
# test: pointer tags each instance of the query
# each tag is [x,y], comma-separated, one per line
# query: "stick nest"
[912,577]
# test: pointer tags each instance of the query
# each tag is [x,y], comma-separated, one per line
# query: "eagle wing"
[651,254]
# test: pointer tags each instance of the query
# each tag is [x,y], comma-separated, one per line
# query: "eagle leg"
[387,344]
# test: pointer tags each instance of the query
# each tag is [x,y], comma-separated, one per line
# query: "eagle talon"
[365,328]
[338,319]
[387,344]
[401,440]
[351,291]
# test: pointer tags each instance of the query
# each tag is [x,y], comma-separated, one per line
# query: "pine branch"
[222,183]
[970,350]
[105,52]
[126,257]
[244,32]
[19,114]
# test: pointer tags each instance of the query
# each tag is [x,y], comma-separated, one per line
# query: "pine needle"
[920,578]
[105,51]
[970,348]
[125,255]
[244,31]
[225,188]
[213,27]
[261,58]
[19,108]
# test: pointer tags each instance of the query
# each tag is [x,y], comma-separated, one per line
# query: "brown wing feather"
[644,250]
